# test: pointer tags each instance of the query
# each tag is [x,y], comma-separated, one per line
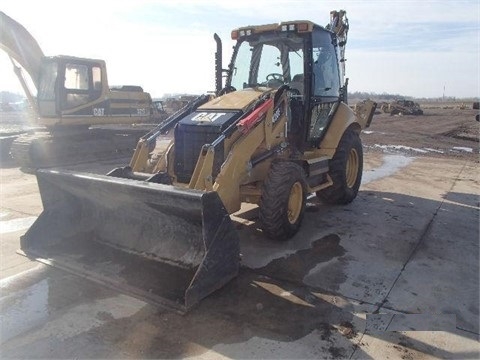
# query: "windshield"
[270,59]
[48,77]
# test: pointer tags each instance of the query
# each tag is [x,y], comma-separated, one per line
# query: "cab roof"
[299,26]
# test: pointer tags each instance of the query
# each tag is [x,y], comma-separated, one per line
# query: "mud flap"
[163,244]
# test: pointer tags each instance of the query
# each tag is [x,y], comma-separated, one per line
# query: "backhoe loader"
[72,94]
[278,129]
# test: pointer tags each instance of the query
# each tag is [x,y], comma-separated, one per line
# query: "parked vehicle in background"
[402,107]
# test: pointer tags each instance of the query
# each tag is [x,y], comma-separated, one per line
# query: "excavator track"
[45,149]
[6,141]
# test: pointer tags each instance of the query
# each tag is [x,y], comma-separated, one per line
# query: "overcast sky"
[413,48]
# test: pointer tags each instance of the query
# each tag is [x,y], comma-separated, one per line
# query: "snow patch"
[391,164]
[461,148]
[435,150]
[400,147]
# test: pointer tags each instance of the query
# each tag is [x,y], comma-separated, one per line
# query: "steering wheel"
[275,76]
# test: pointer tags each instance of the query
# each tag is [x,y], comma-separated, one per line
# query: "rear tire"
[282,204]
[346,169]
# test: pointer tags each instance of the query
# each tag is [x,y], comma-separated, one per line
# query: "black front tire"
[346,169]
[283,200]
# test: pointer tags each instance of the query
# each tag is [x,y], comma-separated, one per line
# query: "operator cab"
[73,90]
[299,57]
[66,83]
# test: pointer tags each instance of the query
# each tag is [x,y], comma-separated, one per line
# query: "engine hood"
[237,100]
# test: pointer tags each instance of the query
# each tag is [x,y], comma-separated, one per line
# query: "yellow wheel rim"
[295,201]
[352,168]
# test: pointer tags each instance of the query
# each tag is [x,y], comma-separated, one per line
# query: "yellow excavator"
[71,97]
[276,130]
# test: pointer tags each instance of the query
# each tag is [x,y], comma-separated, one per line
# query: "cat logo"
[207,117]
[98,111]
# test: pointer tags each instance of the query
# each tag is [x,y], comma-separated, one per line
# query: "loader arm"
[235,168]
[257,129]
[146,144]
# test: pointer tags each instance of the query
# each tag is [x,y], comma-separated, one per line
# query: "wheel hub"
[295,202]
[352,168]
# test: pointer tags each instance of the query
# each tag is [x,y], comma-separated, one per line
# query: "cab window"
[82,84]
[269,63]
[326,78]
[76,77]
[97,78]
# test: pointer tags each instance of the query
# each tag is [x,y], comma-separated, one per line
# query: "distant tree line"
[363,95]
[9,97]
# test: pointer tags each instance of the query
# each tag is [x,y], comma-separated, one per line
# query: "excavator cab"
[75,91]
[67,82]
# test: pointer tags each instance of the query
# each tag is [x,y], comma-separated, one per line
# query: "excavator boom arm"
[21,46]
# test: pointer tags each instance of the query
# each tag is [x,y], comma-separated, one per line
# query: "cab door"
[81,86]
[325,83]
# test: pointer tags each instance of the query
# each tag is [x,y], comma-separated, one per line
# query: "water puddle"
[294,267]
[24,310]
[391,164]
[34,309]
[256,255]
[8,226]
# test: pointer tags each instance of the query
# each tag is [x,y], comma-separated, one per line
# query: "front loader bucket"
[160,243]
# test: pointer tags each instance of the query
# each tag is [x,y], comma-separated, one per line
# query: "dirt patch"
[347,329]
[437,133]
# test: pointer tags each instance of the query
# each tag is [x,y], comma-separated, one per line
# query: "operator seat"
[297,83]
